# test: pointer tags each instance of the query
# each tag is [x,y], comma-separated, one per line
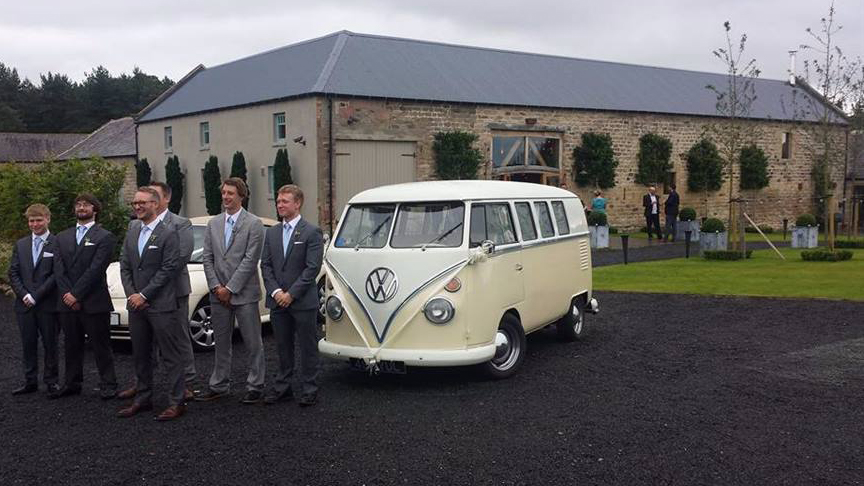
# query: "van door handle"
[518,267]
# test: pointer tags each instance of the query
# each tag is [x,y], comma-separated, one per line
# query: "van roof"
[459,190]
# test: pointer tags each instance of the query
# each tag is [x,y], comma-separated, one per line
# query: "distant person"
[651,203]
[671,210]
[598,204]
[31,274]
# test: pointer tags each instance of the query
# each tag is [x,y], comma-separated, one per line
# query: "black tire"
[571,327]
[510,349]
[200,328]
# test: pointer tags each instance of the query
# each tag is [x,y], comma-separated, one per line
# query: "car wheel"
[201,327]
[571,327]
[510,347]
[322,296]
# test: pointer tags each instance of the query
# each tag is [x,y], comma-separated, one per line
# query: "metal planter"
[692,226]
[713,241]
[805,236]
[599,236]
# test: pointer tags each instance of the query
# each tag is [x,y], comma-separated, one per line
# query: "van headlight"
[334,308]
[439,311]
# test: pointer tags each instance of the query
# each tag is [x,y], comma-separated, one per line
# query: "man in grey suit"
[182,289]
[290,264]
[149,260]
[232,250]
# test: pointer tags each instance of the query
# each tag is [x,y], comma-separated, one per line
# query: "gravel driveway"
[666,390]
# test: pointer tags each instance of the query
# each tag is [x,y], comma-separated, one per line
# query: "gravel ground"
[665,390]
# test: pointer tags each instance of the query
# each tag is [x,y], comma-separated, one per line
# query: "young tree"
[174,179]
[594,161]
[238,169]
[754,168]
[704,169]
[143,173]
[281,171]
[654,153]
[455,156]
[213,186]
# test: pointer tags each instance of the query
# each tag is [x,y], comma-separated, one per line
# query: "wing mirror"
[488,247]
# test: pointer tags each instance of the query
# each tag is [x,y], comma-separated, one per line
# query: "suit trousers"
[145,328]
[300,327]
[653,220]
[182,317]
[249,322]
[32,325]
[671,226]
[97,328]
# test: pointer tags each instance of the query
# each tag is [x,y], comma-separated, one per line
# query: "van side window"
[526,221]
[491,222]
[560,218]
[545,218]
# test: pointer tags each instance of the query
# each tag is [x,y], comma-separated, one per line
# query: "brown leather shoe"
[127,393]
[133,410]
[171,413]
[188,395]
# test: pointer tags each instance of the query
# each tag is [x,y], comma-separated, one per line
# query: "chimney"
[792,67]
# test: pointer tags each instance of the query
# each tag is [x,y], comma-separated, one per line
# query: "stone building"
[356,111]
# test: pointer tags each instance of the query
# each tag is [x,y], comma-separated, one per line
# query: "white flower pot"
[713,241]
[692,226]
[805,236]
[599,236]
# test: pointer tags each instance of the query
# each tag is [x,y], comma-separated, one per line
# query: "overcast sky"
[170,37]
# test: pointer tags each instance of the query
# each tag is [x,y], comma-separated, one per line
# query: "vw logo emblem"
[381,285]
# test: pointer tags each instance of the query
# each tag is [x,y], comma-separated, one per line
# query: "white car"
[200,328]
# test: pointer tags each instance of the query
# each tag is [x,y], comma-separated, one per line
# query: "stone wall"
[788,194]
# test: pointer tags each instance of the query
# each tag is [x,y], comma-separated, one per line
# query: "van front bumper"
[411,357]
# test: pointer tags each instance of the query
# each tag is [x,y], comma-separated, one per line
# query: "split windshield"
[417,225]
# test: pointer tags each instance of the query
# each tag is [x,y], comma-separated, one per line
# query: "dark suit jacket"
[296,272]
[152,274]
[646,203]
[37,281]
[672,203]
[80,269]
[186,238]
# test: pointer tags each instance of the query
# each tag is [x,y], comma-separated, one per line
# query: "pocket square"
[47,255]
[152,247]
[87,243]
[299,242]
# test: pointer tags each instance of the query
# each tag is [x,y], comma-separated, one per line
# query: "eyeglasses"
[135,204]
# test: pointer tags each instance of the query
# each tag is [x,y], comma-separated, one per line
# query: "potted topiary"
[805,233]
[687,222]
[713,235]
[597,226]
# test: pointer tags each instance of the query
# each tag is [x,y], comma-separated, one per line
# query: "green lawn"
[763,275]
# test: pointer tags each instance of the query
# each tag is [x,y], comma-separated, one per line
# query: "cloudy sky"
[170,37]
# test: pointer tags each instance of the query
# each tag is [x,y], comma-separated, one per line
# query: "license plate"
[390,367]
[115,319]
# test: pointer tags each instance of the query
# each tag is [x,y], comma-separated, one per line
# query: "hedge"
[825,255]
[725,254]
[849,244]
[764,227]
[596,218]
[687,214]
[713,225]
[806,220]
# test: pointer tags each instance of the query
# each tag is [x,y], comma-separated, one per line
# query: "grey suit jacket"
[296,271]
[235,267]
[36,280]
[152,274]
[183,227]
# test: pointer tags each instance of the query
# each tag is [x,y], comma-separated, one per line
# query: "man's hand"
[137,302]
[283,299]
[70,300]
[224,295]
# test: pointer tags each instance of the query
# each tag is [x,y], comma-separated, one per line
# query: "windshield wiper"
[373,233]
[443,235]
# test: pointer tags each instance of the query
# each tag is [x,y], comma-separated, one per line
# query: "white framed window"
[169,139]
[271,182]
[204,134]
[279,127]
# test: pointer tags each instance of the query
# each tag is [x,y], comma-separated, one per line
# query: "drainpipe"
[792,67]
[330,163]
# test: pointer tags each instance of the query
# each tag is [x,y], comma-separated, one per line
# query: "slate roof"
[113,139]
[350,64]
[35,147]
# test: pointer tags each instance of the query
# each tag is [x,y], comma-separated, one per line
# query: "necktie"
[142,239]
[286,238]
[80,235]
[37,246]
[229,227]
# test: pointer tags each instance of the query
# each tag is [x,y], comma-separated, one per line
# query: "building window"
[204,134]
[271,182]
[279,130]
[527,158]
[786,151]
[169,139]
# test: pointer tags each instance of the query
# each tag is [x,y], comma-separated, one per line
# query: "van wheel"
[571,327]
[201,328]
[509,349]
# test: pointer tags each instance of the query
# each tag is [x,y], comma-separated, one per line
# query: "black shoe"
[53,391]
[308,400]
[252,397]
[274,397]
[67,391]
[107,393]
[208,395]
[28,388]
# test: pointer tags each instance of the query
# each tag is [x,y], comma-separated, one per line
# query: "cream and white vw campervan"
[451,273]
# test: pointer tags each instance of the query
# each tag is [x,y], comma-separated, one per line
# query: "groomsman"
[292,256]
[31,273]
[82,255]
[232,250]
[149,260]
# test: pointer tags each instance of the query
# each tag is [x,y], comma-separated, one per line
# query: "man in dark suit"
[182,289]
[290,263]
[148,267]
[671,211]
[82,257]
[651,203]
[31,274]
